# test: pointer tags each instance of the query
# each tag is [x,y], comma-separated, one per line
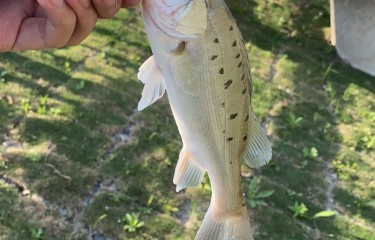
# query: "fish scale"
[201,61]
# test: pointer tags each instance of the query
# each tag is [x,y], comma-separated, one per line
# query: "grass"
[76,158]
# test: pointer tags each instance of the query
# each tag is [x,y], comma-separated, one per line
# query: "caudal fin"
[227,226]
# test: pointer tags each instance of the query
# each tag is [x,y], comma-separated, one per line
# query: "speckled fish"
[201,61]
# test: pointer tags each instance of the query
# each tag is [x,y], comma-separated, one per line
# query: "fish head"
[181,20]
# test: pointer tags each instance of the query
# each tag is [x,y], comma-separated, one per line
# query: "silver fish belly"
[207,79]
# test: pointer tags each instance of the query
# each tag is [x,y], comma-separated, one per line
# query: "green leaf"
[261,203]
[80,85]
[3,73]
[299,209]
[327,213]
[314,152]
[265,194]
[253,186]
[252,203]
[298,120]
[140,224]
[370,203]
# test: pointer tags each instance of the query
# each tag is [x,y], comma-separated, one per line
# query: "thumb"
[53,31]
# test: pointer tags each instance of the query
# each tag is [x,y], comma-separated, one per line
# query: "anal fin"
[188,173]
[258,150]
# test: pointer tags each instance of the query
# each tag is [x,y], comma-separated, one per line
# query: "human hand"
[40,24]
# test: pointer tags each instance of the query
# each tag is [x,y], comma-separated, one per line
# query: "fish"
[200,60]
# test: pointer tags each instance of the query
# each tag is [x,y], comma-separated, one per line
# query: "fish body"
[201,61]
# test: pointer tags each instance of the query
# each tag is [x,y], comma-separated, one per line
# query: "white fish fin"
[188,173]
[225,226]
[179,19]
[150,74]
[258,150]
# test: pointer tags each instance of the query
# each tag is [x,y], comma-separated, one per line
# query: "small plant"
[132,222]
[80,85]
[25,105]
[294,122]
[256,198]
[68,67]
[117,197]
[298,209]
[369,141]
[35,157]
[37,233]
[42,108]
[308,154]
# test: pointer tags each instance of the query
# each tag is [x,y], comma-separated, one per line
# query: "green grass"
[65,175]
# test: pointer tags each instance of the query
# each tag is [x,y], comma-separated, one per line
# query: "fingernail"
[109,3]
[85,3]
[58,3]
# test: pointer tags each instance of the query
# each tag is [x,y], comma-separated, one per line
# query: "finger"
[86,19]
[107,8]
[130,3]
[11,17]
[52,32]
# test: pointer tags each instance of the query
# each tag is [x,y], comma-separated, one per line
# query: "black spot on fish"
[223,104]
[234,43]
[238,55]
[231,28]
[230,162]
[240,64]
[221,71]
[244,90]
[228,83]
[243,77]
[247,118]
[243,204]
[213,57]
[229,139]
[245,138]
[216,40]
[233,116]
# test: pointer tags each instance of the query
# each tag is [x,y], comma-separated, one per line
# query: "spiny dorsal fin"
[188,173]
[150,74]
[258,150]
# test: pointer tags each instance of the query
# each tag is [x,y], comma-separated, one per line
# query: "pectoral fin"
[188,173]
[258,150]
[150,74]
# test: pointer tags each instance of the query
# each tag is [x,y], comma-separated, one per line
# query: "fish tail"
[225,226]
